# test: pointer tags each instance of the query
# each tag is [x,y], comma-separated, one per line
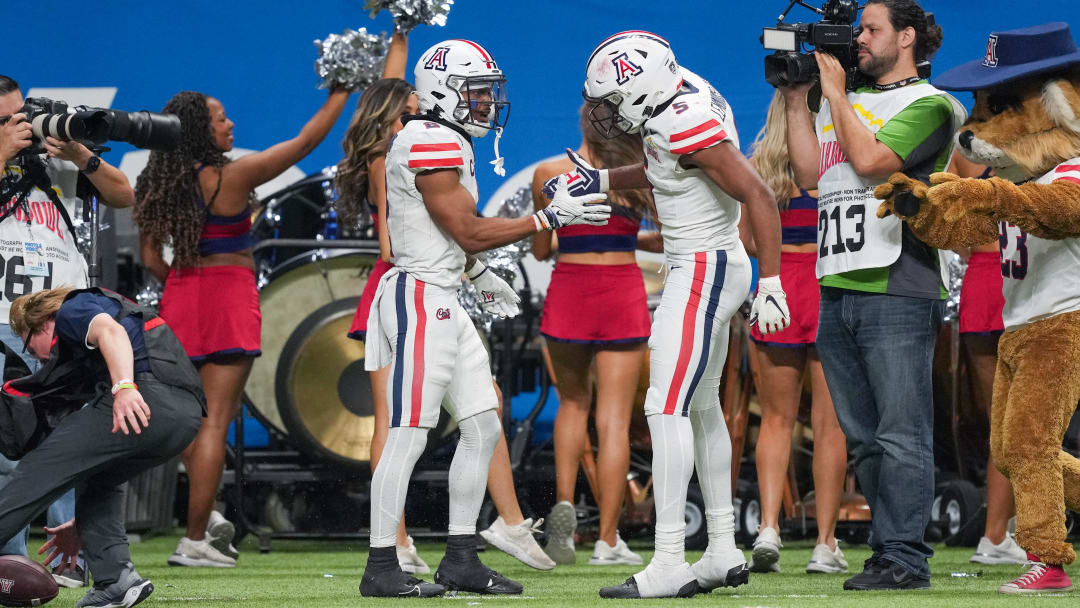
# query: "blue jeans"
[877,352]
[63,510]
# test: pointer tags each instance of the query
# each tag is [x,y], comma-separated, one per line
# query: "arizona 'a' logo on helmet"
[624,68]
[437,61]
[459,81]
[627,76]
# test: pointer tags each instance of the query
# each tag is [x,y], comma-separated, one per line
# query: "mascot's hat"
[1014,54]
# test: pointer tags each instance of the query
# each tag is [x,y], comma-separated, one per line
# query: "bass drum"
[309,384]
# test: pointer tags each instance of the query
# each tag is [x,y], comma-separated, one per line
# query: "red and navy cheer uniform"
[798,225]
[597,303]
[214,310]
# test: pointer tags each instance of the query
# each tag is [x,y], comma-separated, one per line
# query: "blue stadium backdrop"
[256,57]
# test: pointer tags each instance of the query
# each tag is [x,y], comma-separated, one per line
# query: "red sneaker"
[1041,578]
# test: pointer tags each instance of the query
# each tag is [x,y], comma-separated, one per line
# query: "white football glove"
[770,309]
[567,209]
[496,295]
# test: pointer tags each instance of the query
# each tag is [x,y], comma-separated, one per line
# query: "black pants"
[84,454]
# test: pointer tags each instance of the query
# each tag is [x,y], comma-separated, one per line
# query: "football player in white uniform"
[698,176]
[416,324]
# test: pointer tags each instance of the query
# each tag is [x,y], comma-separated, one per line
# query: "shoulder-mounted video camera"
[95,126]
[834,34]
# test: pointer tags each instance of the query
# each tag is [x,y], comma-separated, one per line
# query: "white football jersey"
[417,244]
[695,214]
[1040,277]
[39,231]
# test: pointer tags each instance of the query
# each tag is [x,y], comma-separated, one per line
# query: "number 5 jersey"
[695,213]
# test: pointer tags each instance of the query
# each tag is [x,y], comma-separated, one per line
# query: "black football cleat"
[395,583]
[629,590]
[474,576]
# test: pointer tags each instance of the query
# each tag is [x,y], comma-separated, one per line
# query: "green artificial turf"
[326,574]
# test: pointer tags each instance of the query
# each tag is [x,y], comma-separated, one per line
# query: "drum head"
[294,301]
[323,393]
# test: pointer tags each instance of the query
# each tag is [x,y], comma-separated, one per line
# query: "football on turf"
[24,582]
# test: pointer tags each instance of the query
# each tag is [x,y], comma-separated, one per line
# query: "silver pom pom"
[150,295]
[957,267]
[352,60]
[410,13]
[502,261]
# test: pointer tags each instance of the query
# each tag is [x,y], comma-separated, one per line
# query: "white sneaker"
[1008,552]
[220,533]
[619,555]
[826,561]
[518,542]
[410,561]
[721,569]
[766,555]
[199,553]
[561,525]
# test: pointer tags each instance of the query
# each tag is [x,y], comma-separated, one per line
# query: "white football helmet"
[627,77]
[459,81]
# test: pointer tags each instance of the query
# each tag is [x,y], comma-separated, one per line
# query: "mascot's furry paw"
[902,196]
[960,196]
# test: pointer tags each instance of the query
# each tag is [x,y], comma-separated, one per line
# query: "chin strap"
[498,162]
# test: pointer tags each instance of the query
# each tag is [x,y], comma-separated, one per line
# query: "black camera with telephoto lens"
[834,34]
[95,126]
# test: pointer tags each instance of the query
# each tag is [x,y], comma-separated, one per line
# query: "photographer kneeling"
[881,290]
[37,244]
[90,340]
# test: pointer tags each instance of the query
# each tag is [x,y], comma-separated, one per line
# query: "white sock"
[712,452]
[672,467]
[390,482]
[469,469]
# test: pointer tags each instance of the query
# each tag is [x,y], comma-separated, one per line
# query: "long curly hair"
[165,193]
[368,135]
[622,150]
[770,152]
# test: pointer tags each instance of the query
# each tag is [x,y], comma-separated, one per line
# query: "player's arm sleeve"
[434,148]
[697,130]
[920,130]
[74,317]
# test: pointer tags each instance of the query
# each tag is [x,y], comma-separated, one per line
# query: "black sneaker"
[629,590]
[881,574]
[472,575]
[395,583]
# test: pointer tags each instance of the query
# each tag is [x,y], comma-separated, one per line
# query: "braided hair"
[165,193]
[369,133]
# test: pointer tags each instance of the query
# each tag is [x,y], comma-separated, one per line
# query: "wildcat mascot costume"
[1026,126]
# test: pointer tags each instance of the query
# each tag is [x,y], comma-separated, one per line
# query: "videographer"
[881,291]
[37,246]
